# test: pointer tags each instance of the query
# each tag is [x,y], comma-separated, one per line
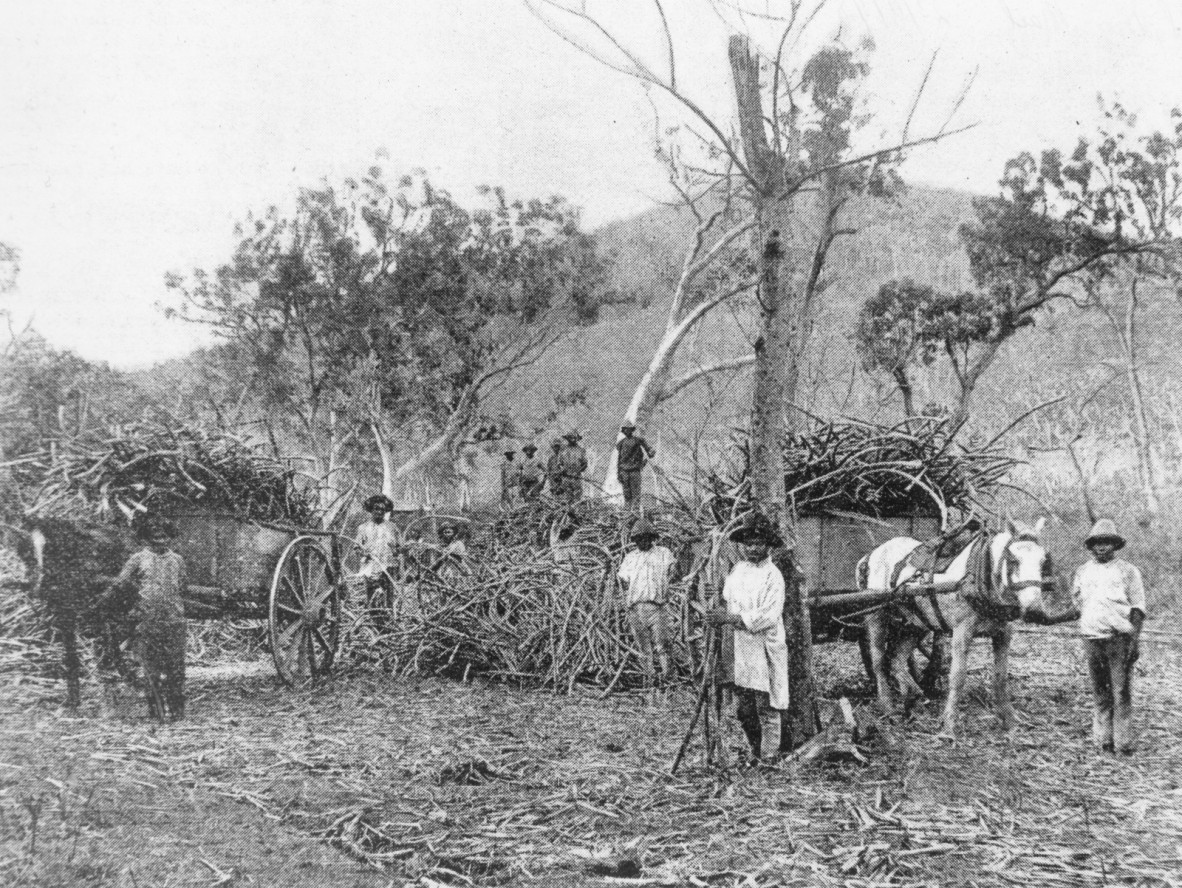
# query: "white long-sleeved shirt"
[646,575]
[1106,595]
[376,542]
[755,592]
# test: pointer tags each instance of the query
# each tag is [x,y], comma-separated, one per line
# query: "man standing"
[377,541]
[573,459]
[644,575]
[753,611]
[633,452]
[554,469]
[1110,596]
[533,474]
[157,576]
[510,480]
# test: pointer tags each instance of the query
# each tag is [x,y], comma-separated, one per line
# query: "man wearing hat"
[533,474]
[510,480]
[554,469]
[632,453]
[753,608]
[644,575]
[1110,596]
[156,575]
[573,460]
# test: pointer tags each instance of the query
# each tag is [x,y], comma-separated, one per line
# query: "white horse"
[1018,568]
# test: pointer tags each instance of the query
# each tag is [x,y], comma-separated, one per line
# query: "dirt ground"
[367,781]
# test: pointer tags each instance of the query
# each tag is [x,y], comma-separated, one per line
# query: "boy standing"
[753,609]
[1110,596]
[644,574]
[156,574]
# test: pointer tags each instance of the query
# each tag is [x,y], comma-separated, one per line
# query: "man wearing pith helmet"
[644,575]
[1110,596]
[753,607]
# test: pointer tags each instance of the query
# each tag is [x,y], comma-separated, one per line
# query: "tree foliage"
[391,295]
[1062,225]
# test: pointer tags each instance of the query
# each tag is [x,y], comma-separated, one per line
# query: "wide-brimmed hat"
[556,443]
[643,528]
[1104,531]
[627,425]
[530,448]
[573,436]
[378,501]
[756,528]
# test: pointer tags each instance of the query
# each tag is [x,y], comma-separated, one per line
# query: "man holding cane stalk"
[752,613]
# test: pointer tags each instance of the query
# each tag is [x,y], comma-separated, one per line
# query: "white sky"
[134,134]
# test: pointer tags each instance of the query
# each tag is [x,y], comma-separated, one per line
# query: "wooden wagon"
[290,576]
[828,549]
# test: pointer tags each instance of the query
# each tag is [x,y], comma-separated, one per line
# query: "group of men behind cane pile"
[561,475]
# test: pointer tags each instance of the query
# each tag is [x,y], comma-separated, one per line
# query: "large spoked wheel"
[305,613]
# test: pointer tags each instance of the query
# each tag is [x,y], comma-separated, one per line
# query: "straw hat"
[643,528]
[573,436]
[755,527]
[1104,531]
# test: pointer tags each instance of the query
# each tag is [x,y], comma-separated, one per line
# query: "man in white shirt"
[1110,596]
[644,576]
[377,540]
[753,609]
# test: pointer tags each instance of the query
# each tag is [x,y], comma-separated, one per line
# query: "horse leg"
[901,667]
[962,636]
[1001,677]
[877,628]
[68,626]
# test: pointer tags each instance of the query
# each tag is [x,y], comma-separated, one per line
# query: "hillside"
[915,237]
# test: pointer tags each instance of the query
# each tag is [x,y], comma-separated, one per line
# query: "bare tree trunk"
[1145,455]
[904,384]
[776,371]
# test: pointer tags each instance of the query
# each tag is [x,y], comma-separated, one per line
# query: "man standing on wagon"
[753,609]
[1110,596]
[632,453]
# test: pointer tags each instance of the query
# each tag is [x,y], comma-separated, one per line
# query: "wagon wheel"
[305,612]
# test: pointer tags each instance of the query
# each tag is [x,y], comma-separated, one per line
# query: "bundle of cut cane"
[915,466]
[156,466]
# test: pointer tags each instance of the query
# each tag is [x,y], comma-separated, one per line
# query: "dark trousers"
[630,481]
[1112,690]
[160,646]
[759,721]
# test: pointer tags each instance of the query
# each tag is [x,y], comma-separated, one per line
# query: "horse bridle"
[1009,561]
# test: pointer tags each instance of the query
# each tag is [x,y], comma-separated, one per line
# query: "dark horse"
[70,566]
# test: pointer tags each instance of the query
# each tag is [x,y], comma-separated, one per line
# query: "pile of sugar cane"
[520,610]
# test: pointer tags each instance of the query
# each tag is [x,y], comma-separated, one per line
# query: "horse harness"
[984,588]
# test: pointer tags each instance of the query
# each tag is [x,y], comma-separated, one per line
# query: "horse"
[70,565]
[1013,567]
